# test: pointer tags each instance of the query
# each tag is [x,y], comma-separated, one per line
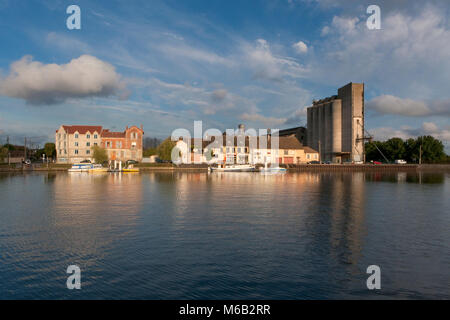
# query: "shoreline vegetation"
[146,167]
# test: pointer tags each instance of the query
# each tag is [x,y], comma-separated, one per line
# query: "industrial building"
[335,125]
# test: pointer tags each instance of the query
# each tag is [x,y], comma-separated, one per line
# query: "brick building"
[74,143]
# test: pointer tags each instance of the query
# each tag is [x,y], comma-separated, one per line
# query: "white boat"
[233,168]
[81,167]
[269,170]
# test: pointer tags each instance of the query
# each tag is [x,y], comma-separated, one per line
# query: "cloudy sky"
[260,62]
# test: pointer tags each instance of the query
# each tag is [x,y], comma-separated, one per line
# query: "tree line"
[429,148]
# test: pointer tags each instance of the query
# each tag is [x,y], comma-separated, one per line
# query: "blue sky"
[167,63]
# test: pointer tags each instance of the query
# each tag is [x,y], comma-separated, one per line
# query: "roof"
[111,134]
[289,142]
[284,142]
[82,129]
[309,150]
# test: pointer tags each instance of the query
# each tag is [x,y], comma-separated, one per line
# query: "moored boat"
[234,168]
[98,169]
[275,169]
[80,167]
[130,170]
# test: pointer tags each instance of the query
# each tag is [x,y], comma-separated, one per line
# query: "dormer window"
[88,136]
[76,135]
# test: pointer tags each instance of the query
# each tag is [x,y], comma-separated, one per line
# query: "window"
[119,144]
[88,144]
[286,152]
[307,156]
[88,136]
[95,136]
[76,144]
[88,151]
[64,135]
[133,145]
[76,135]
[107,144]
[59,135]
[95,143]
[76,151]
[65,151]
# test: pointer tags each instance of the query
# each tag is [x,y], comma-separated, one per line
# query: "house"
[74,143]
[123,146]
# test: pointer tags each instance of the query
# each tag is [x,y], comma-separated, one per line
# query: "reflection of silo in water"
[348,225]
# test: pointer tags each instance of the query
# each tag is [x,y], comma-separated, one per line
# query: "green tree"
[394,148]
[372,153]
[150,152]
[165,149]
[99,154]
[432,149]
[50,150]
[412,150]
[3,153]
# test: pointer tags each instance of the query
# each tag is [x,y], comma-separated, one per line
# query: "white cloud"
[39,83]
[195,54]
[325,31]
[344,24]
[300,47]
[409,56]
[298,117]
[266,65]
[389,104]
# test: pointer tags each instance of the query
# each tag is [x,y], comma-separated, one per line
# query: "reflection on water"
[180,235]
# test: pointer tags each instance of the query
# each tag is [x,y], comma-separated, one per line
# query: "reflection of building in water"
[336,219]
[80,198]
[347,219]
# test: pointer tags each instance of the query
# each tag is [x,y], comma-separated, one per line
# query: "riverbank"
[290,167]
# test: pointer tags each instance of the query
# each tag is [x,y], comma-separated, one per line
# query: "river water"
[178,235]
